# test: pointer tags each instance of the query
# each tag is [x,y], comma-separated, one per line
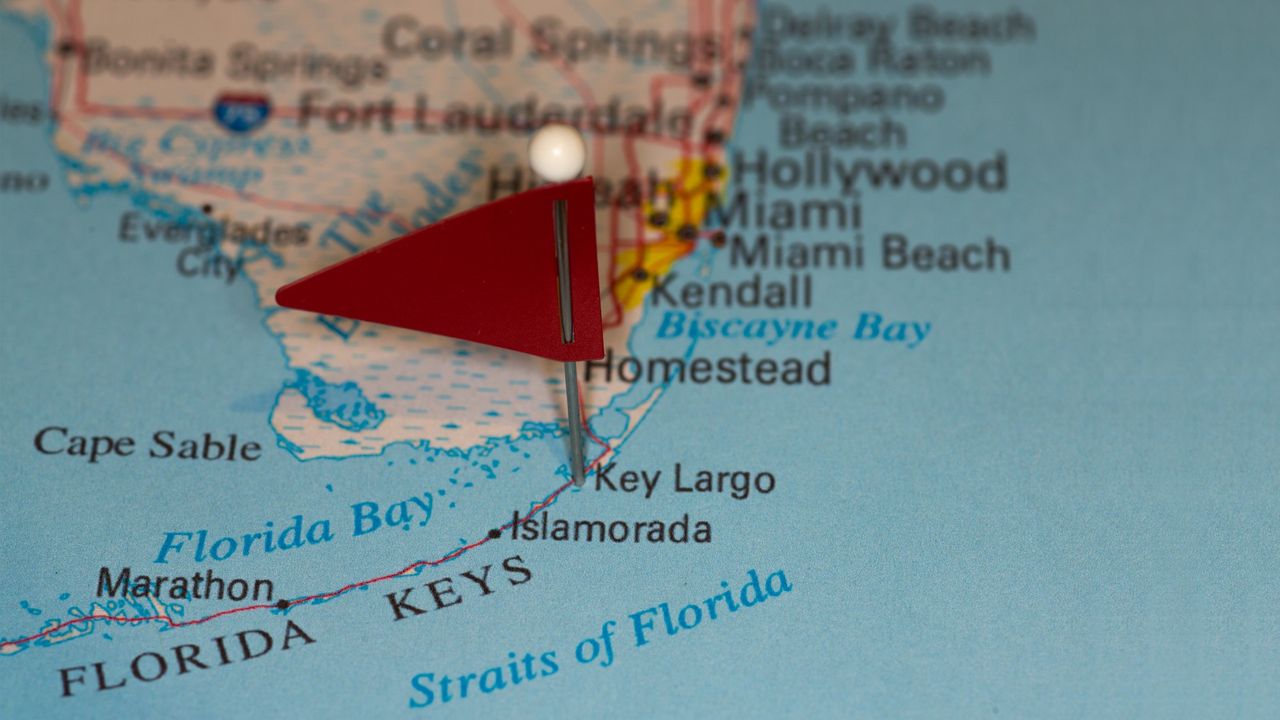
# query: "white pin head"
[557,152]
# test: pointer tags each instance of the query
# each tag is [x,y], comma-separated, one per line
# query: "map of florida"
[394,133]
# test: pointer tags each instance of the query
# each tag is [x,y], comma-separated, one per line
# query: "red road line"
[303,600]
[457,552]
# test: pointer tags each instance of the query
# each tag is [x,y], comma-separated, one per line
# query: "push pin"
[557,153]
[517,273]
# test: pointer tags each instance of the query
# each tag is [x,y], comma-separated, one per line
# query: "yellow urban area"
[685,204]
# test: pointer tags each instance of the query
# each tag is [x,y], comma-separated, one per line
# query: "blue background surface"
[1063,504]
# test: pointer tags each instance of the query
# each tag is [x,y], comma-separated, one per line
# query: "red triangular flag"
[487,275]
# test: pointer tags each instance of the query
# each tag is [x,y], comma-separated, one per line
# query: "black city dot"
[687,233]
[701,80]
[207,209]
[640,274]
[494,534]
[658,219]
[715,137]
[718,239]
[711,171]
[282,604]
[66,47]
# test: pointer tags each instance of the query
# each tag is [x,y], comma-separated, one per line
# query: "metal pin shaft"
[575,424]
[559,213]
